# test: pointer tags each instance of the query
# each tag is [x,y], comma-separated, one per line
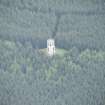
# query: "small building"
[50,47]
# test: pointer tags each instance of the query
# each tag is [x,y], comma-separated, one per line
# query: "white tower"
[51,47]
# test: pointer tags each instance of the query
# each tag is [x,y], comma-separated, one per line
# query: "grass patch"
[59,51]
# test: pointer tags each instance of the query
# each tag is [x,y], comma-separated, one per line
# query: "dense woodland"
[30,77]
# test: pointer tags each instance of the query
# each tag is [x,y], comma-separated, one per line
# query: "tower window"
[50,44]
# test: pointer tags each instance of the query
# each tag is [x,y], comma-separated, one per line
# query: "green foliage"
[27,76]
[75,23]
[75,75]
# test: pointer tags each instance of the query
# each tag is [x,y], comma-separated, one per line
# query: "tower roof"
[50,39]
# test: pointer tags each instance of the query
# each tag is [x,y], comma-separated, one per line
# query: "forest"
[74,76]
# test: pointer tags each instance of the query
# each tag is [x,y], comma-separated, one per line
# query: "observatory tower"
[50,47]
